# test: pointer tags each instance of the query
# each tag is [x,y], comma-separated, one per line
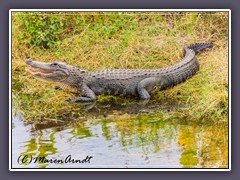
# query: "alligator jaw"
[38,71]
[46,71]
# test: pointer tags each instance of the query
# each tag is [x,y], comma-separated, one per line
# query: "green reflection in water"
[188,141]
[80,131]
[40,147]
[146,131]
[191,145]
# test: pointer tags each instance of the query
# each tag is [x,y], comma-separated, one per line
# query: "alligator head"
[56,71]
[68,77]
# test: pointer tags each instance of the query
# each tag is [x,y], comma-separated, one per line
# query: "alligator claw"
[69,100]
[57,87]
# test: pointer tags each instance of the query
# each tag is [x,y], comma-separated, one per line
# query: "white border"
[114,10]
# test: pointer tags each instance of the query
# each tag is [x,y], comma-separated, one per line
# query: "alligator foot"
[80,99]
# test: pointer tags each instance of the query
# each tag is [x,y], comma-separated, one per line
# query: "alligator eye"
[54,64]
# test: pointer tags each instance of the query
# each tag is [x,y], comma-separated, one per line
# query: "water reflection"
[188,141]
[127,141]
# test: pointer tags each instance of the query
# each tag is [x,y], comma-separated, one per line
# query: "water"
[121,141]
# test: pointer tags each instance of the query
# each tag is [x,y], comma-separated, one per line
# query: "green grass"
[96,41]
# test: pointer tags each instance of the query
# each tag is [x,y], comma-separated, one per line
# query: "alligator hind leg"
[147,85]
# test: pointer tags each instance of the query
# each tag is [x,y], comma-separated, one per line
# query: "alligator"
[126,82]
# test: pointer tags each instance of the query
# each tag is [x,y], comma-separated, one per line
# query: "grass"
[96,41]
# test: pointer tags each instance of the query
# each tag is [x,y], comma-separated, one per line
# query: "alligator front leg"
[147,85]
[89,95]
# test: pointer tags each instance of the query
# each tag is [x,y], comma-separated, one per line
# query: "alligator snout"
[29,61]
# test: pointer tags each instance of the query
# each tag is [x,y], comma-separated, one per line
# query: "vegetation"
[101,40]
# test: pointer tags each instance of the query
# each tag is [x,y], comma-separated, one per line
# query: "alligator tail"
[200,46]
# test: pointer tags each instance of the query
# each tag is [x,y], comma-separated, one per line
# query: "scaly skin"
[126,82]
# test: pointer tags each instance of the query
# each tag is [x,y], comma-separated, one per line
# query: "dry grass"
[131,40]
